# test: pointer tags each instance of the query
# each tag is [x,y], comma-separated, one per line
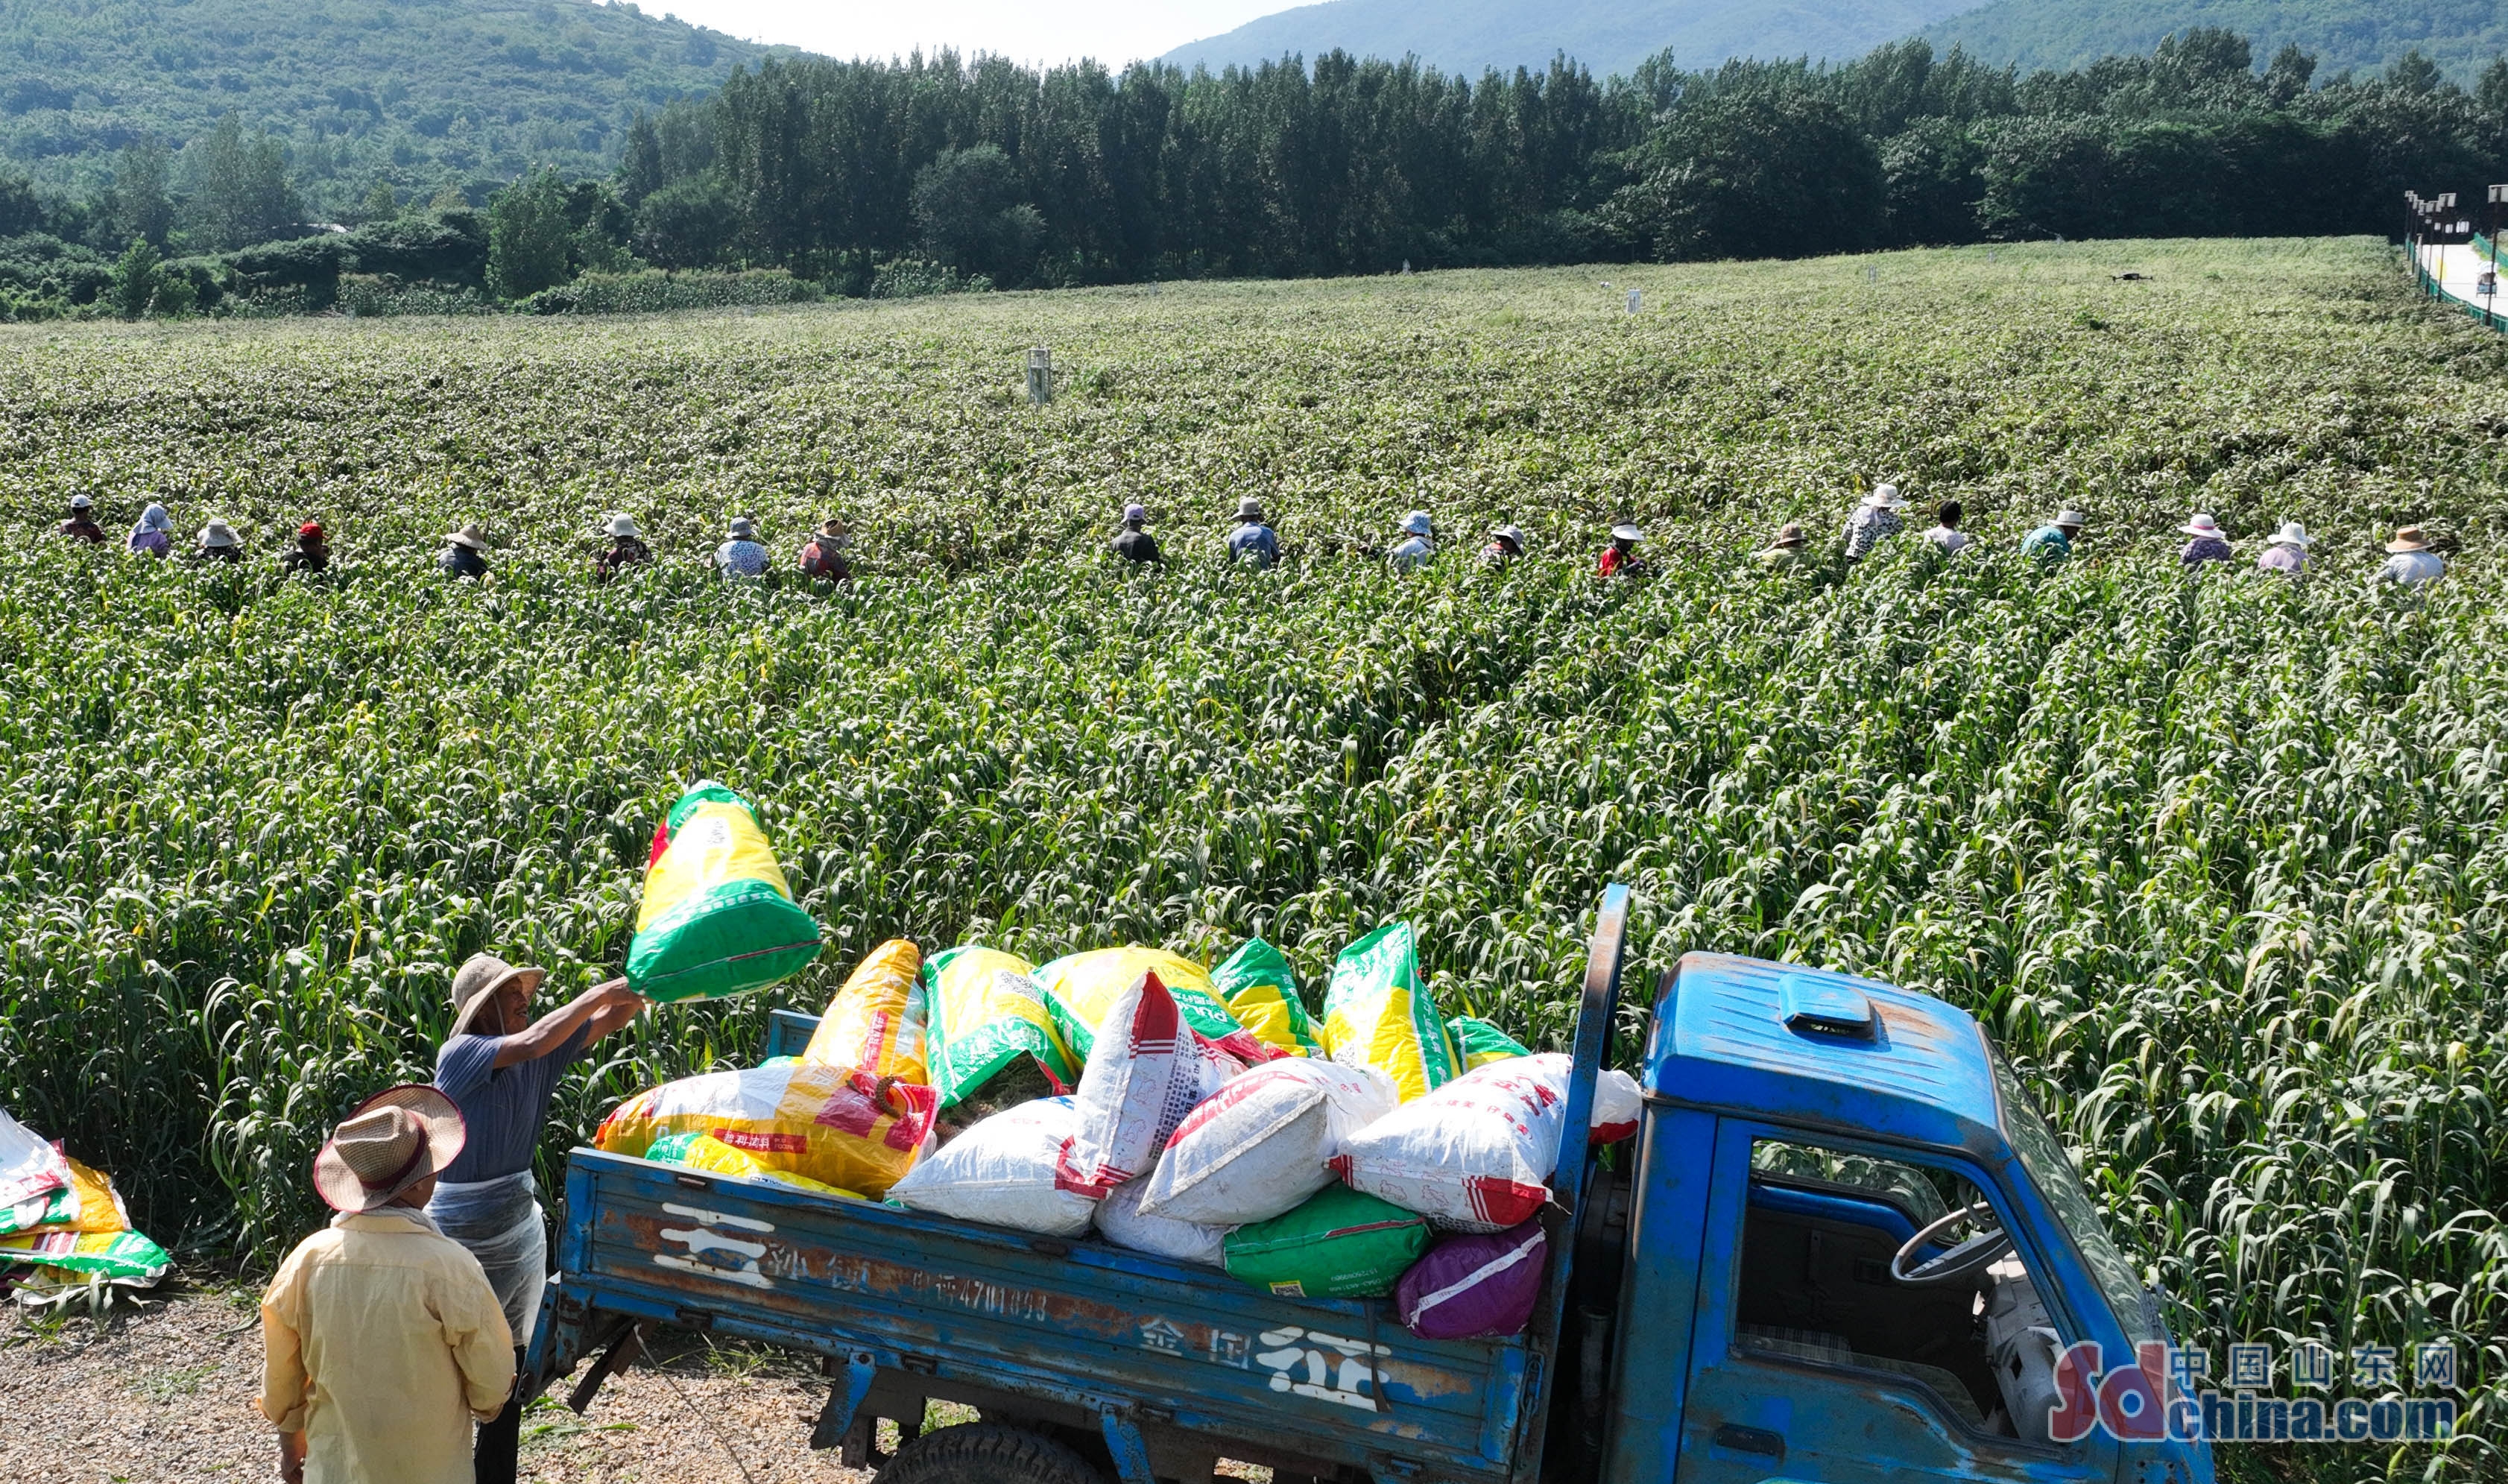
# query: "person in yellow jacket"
[382,1340]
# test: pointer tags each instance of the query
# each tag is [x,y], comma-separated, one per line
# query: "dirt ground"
[159,1394]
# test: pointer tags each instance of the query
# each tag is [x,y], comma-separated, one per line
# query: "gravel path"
[161,1394]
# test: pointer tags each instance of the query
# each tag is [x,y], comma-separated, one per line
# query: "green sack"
[1379,1013]
[1340,1244]
[982,1012]
[61,1206]
[1480,1043]
[718,918]
[114,1255]
[1260,991]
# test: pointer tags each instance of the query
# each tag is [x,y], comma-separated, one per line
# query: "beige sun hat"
[2407,538]
[395,1139]
[1884,496]
[477,982]
[471,535]
[2203,525]
[2291,533]
[1790,535]
[833,525]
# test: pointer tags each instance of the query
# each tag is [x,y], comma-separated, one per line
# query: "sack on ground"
[983,1010]
[1080,990]
[875,1024]
[1478,1043]
[1476,1154]
[1474,1284]
[1002,1171]
[1339,1243]
[1379,1013]
[1147,1070]
[833,1124]
[30,1168]
[716,918]
[1260,991]
[704,1151]
[1122,1221]
[1261,1145]
[115,1255]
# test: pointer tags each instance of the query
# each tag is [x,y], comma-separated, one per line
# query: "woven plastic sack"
[1476,1154]
[836,1125]
[704,1151]
[876,1020]
[29,1166]
[1474,1285]
[54,1210]
[1617,1103]
[1147,1072]
[984,1012]
[114,1255]
[1122,1221]
[1478,1043]
[1002,1171]
[1261,1145]
[1379,1013]
[1080,990]
[1260,991]
[718,918]
[1339,1243]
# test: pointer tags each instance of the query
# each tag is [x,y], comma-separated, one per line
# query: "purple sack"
[1474,1286]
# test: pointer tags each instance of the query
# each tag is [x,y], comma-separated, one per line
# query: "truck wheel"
[987,1452]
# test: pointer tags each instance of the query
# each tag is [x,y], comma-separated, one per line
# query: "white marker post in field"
[1637,300]
[1040,376]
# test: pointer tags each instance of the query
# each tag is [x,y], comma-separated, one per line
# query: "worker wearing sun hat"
[742,554]
[1620,558]
[1505,544]
[1420,542]
[823,555]
[382,1339]
[1253,541]
[464,552]
[2286,550]
[2411,562]
[82,526]
[2051,545]
[501,1067]
[1875,520]
[2210,542]
[1785,553]
[626,548]
[218,543]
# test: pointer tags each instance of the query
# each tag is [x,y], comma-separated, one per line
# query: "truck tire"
[987,1452]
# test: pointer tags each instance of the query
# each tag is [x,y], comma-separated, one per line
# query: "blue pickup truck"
[1844,1246]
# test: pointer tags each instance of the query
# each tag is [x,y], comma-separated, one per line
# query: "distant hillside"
[420,91]
[2460,35]
[1606,35]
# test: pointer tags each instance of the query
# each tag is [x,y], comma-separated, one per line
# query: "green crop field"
[2219,859]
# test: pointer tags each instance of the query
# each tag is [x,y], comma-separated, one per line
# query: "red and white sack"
[1122,1221]
[1146,1070]
[1262,1144]
[1617,1101]
[1002,1171]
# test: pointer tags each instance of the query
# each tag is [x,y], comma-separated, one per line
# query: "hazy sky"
[1113,31]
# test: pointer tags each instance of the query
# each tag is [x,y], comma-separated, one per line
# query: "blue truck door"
[1766,1402]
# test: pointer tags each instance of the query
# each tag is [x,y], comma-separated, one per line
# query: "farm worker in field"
[823,555]
[1419,546]
[1132,544]
[1785,553]
[1874,521]
[154,535]
[626,550]
[380,1337]
[2411,562]
[2051,545]
[501,1066]
[311,553]
[1505,544]
[82,526]
[1252,540]
[1946,535]
[2286,551]
[742,554]
[1620,558]
[218,543]
[2209,544]
[464,553]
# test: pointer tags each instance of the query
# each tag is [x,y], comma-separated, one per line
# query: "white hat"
[1417,523]
[215,536]
[1625,531]
[471,535]
[1136,514]
[2070,518]
[2203,525]
[1249,508]
[742,529]
[1884,496]
[2291,533]
[81,502]
[621,524]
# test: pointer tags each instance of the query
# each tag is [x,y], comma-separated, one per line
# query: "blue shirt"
[1254,540]
[739,559]
[2047,545]
[503,1107]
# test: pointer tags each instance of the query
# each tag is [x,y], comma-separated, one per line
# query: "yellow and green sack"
[1080,987]
[876,1020]
[983,1010]
[1478,1043]
[119,1256]
[704,1151]
[1379,1013]
[718,918]
[1257,985]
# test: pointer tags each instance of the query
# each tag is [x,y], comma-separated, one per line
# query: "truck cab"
[1843,1247]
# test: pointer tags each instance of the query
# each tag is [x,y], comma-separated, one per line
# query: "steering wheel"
[1959,1262]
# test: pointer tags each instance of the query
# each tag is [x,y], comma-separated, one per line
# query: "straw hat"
[471,535]
[1883,498]
[476,982]
[1627,533]
[2291,533]
[2407,538]
[622,525]
[1788,536]
[742,529]
[832,526]
[1249,508]
[2203,525]
[1417,523]
[395,1139]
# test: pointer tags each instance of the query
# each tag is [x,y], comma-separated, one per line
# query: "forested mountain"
[417,93]
[2459,35]
[1467,37]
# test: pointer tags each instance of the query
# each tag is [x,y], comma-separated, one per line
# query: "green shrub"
[651,290]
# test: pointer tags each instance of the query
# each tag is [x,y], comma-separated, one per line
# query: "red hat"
[313,529]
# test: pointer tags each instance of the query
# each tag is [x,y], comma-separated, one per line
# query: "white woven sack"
[1473,1156]
[1617,1101]
[1123,1222]
[1145,1072]
[1260,1145]
[1002,1171]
